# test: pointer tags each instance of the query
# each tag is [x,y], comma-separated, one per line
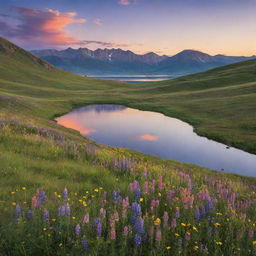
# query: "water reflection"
[156,134]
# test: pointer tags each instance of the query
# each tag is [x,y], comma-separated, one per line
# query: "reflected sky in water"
[156,134]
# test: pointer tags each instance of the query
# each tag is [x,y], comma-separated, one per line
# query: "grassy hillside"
[185,209]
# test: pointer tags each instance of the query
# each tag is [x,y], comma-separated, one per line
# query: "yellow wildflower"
[141,199]
[196,247]
[217,224]
[44,229]
[219,243]
[168,247]
[13,203]
[84,204]
[194,228]
[60,244]
[183,224]
[254,242]
[13,192]
[157,221]
[176,234]
[73,217]
[23,188]
[96,190]
[218,213]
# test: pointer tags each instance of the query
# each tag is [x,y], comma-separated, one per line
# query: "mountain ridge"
[115,61]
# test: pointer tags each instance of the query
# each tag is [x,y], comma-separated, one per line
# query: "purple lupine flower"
[78,230]
[116,195]
[67,209]
[18,211]
[203,248]
[139,226]
[61,210]
[86,219]
[209,204]
[197,214]
[98,226]
[250,233]
[136,209]
[166,218]
[41,197]
[137,193]
[85,244]
[29,214]
[134,185]
[126,231]
[202,211]
[158,235]
[170,195]
[65,193]
[174,223]
[46,216]
[137,240]
[177,214]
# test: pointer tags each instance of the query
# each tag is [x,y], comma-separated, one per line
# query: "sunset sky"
[163,26]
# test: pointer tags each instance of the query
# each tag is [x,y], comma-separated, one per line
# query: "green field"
[37,153]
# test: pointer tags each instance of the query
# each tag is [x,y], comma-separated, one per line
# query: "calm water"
[135,78]
[156,134]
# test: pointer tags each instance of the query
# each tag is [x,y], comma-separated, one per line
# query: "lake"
[156,134]
[135,78]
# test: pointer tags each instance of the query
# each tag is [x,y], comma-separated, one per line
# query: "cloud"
[97,21]
[102,43]
[41,26]
[126,2]
[148,137]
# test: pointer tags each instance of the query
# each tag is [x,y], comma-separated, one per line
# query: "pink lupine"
[174,223]
[134,185]
[86,219]
[160,183]
[102,212]
[126,231]
[146,187]
[113,233]
[34,202]
[158,235]
[166,218]
[125,205]
[170,195]
[152,187]
[188,236]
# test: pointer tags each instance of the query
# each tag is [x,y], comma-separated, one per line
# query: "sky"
[162,26]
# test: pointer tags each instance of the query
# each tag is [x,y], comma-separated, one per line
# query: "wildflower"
[77,230]
[44,229]
[137,193]
[60,244]
[102,212]
[195,229]
[166,218]
[217,224]
[157,222]
[168,247]
[219,243]
[134,186]
[18,211]
[126,231]
[183,224]
[141,199]
[176,234]
[73,217]
[96,190]
[139,226]
[116,195]
[196,247]
[29,215]
[187,236]
[160,183]
[23,188]
[85,244]
[250,233]
[177,212]
[254,242]
[197,214]
[98,226]
[218,213]
[158,235]
[14,204]
[13,192]
[65,193]
[137,240]
[174,223]
[86,219]
[146,187]
[113,233]
[136,209]
[46,215]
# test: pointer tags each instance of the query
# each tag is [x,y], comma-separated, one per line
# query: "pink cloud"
[126,2]
[97,21]
[148,137]
[44,28]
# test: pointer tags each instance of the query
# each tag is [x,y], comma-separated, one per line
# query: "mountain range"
[117,61]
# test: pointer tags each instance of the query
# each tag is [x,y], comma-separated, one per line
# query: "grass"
[35,153]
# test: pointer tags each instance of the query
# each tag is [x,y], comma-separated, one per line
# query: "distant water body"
[135,78]
[156,134]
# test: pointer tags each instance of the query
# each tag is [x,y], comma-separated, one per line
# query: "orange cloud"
[75,126]
[148,137]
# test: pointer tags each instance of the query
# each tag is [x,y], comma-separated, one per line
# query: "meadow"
[62,194]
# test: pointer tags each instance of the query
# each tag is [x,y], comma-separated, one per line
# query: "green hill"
[37,153]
